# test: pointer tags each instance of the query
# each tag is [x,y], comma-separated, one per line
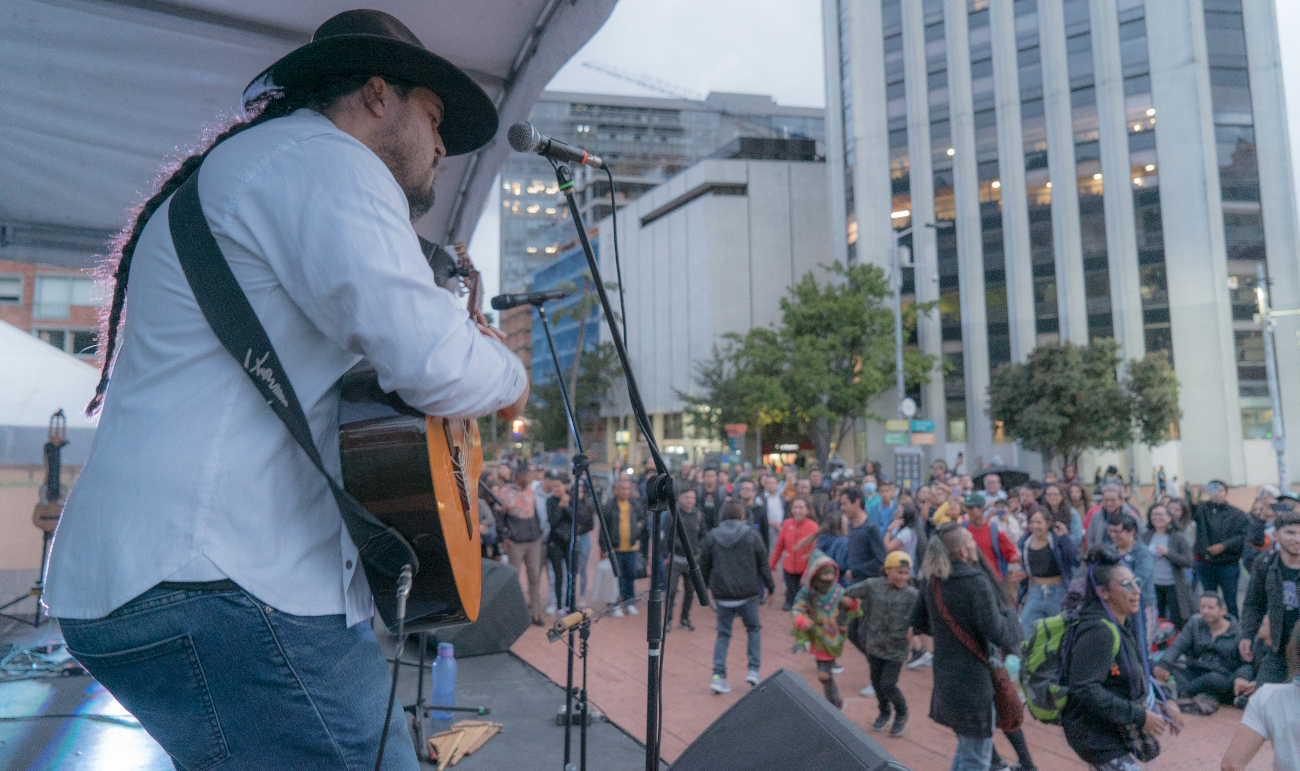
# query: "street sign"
[923,425]
[896,425]
[908,407]
[923,437]
[896,437]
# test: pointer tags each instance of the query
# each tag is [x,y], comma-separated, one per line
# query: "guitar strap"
[382,549]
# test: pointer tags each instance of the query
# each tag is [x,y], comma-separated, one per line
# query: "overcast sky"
[749,46]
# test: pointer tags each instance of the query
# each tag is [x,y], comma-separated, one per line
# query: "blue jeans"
[584,551]
[1224,578]
[973,754]
[726,617]
[1041,602]
[220,679]
[626,574]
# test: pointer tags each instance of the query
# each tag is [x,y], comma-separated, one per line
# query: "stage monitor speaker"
[502,616]
[784,724]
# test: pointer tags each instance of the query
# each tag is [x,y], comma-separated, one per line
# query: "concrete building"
[710,251]
[1076,170]
[645,140]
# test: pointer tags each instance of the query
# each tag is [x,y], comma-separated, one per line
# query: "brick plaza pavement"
[618,676]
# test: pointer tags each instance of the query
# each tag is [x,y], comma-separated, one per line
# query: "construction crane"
[676,92]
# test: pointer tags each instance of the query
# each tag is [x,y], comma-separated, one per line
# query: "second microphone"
[504,302]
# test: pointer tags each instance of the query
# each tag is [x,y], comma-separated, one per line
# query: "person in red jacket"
[977,522]
[795,529]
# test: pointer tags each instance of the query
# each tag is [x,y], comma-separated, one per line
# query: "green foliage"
[1066,399]
[814,373]
[546,407]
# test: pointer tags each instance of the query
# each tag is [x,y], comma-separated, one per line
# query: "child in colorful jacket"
[821,615]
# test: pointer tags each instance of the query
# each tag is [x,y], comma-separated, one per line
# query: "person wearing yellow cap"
[882,635]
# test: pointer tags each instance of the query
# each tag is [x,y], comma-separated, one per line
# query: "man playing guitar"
[201,570]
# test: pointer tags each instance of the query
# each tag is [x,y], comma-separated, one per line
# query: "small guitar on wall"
[419,474]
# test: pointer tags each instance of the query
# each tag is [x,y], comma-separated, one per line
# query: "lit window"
[898,215]
[1137,180]
[1151,167]
[1151,111]
[553,189]
[534,209]
[951,151]
[1096,176]
[1137,126]
[505,185]
[995,184]
[1049,185]
[506,204]
[11,289]
[531,250]
[550,250]
[516,188]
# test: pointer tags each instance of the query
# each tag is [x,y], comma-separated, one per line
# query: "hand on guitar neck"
[469,277]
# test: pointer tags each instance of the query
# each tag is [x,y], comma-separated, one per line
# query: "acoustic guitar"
[420,475]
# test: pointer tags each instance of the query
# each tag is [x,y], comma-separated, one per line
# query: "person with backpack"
[959,607]
[1105,716]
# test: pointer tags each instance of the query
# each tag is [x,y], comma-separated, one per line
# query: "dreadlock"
[318,96]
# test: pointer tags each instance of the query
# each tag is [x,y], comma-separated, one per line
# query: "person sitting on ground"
[1204,657]
[821,615]
[793,531]
[734,563]
[883,634]
[1271,715]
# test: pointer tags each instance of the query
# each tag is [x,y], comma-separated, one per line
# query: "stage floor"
[520,697]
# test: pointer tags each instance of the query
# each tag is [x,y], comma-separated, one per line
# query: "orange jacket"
[792,534]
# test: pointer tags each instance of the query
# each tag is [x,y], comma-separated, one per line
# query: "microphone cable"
[403,591]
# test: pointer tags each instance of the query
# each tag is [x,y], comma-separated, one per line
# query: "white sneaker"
[631,610]
[618,612]
[866,692]
[752,678]
[720,685]
[550,610]
[924,660]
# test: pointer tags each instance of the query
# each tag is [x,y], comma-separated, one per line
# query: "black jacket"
[1220,523]
[1204,650]
[1106,694]
[694,526]
[710,505]
[734,562]
[609,520]
[559,519]
[962,698]
[1264,598]
[756,517]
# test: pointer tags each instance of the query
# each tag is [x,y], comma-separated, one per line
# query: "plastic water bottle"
[443,673]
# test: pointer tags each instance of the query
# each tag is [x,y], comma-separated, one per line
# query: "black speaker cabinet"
[784,724]
[502,617]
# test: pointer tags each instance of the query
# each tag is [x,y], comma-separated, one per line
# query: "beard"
[403,156]
[420,199]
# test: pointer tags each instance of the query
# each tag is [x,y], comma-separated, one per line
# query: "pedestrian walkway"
[618,677]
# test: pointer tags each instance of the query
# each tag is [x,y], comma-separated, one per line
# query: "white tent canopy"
[95,93]
[37,380]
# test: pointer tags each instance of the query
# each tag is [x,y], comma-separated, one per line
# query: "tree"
[1065,399]
[546,407]
[814,372]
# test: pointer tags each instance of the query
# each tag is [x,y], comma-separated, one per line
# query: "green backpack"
[1042,670]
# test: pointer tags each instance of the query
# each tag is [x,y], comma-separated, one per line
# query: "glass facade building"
[644,140]
[1082,180]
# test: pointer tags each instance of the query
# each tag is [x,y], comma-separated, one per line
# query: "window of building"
[11,289]
[78,342]
[673,426]
[55,295]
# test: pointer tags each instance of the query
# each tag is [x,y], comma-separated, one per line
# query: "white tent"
[37,380]
[95,93]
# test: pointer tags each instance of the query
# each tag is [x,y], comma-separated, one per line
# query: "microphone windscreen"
[502,302]
[522,136]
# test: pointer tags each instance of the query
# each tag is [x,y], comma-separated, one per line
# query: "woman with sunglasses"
[1106,713]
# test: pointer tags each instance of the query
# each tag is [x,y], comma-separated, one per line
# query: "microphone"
[526,139]
[563,625]
[504,302]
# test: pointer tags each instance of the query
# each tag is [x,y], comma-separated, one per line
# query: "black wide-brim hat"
[367,42]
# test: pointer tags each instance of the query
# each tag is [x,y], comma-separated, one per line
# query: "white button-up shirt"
[191,475]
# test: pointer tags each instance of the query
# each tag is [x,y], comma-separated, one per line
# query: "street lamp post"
[1265,319]
[897,280]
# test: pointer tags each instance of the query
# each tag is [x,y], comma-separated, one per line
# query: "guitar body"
[419,475]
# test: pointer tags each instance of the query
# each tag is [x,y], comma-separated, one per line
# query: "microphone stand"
[581,471]
[659,490]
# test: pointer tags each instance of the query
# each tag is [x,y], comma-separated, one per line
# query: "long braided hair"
[116,265]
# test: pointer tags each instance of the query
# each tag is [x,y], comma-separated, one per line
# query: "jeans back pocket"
[163,686]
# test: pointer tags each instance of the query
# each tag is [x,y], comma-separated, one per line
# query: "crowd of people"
[957,574]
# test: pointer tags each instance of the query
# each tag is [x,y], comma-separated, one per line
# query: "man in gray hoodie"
[734,562]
